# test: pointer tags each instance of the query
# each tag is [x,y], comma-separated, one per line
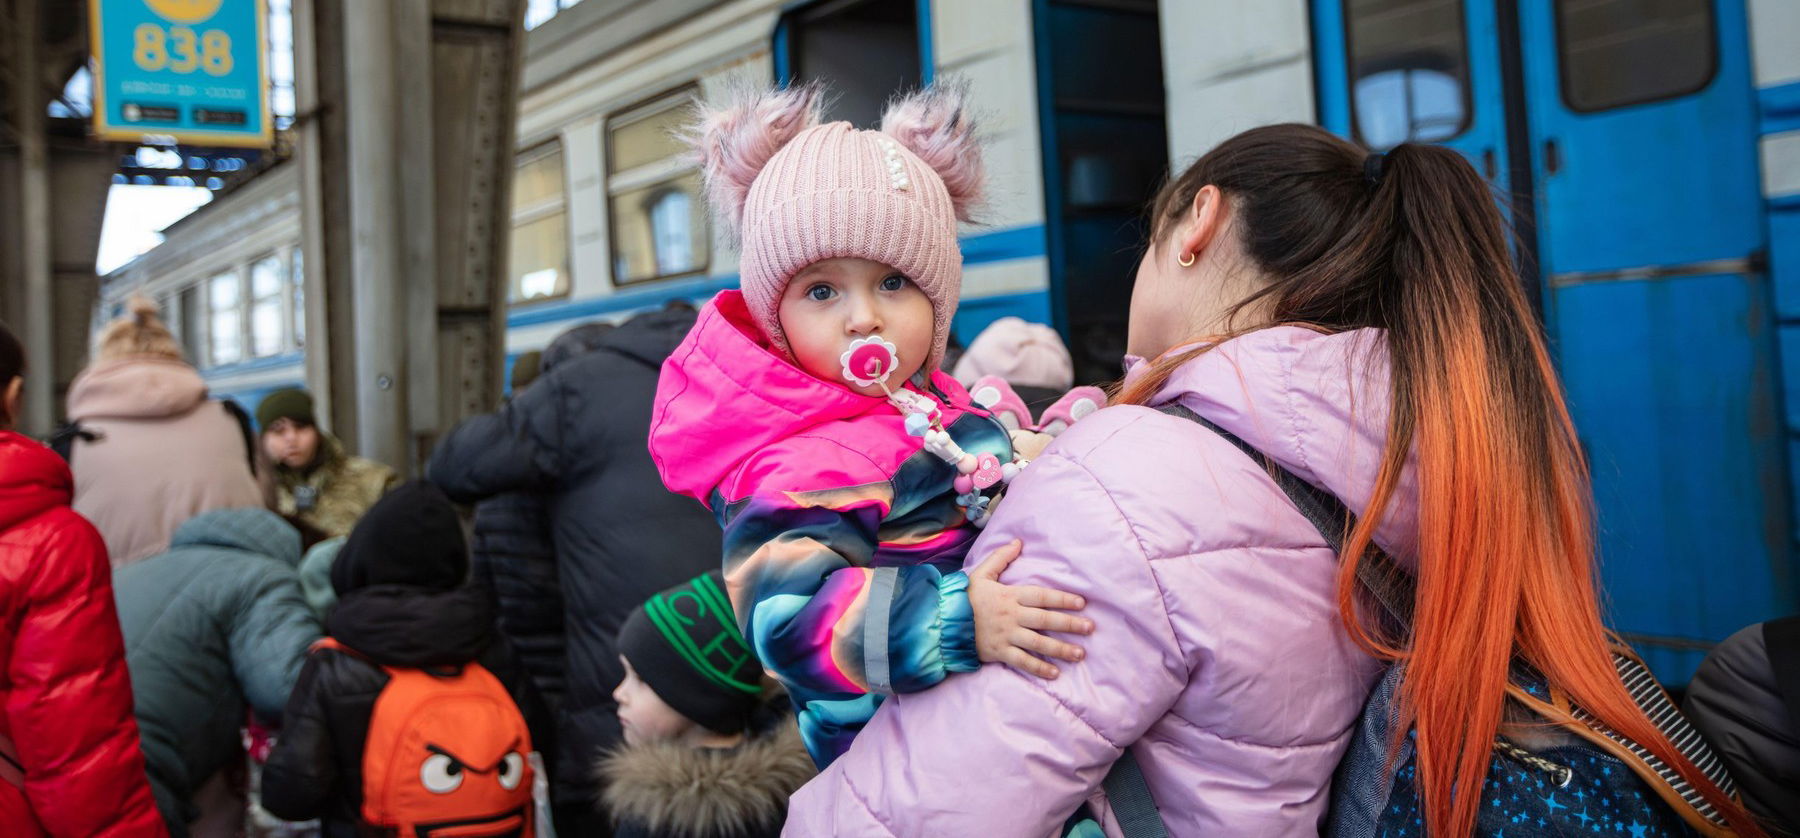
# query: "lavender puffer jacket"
[1218,656]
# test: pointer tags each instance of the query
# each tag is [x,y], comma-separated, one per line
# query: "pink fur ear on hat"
[934,124]
[736,141]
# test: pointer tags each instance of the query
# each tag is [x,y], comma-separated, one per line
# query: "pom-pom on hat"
[794,192]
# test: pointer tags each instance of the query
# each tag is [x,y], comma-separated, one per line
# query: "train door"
[1625,135]
[1105,149]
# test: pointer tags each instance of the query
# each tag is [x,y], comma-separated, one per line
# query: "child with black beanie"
[707,754]
[403,607]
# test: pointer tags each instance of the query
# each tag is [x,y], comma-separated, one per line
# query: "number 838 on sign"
[180,49]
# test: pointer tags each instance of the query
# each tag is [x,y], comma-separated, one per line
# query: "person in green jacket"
[318,485]
[214,626]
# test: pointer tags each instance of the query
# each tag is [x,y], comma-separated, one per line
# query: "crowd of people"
[793,562]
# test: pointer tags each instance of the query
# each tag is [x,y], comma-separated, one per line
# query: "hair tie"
[1373,167]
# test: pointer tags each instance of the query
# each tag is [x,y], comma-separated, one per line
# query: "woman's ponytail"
[1412,242]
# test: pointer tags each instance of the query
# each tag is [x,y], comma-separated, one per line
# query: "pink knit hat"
[1021,354]
[794,192]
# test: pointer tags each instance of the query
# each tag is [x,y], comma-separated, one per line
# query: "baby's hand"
[1008,618]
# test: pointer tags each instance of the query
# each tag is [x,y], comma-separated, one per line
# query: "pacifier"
[869,361]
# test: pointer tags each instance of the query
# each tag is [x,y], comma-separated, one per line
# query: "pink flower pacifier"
[870,361]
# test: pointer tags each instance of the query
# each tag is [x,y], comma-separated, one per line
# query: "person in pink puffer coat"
[1357,318]
[1217,646]
[152,448]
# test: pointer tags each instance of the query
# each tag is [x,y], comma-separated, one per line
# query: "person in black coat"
[579,437]
[1745,699]
[402,603]
[514,555]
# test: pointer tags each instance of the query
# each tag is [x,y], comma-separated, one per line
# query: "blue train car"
[1625,137]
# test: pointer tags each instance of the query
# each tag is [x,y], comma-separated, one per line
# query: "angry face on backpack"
[446,758]
[469,787]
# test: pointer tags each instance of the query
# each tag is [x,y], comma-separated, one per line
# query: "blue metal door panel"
[1648,218]
[1673,401]
[1669,182]
[1671,370]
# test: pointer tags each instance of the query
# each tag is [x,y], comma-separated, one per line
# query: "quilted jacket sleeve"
[997,752]
[519,448]
[815,612]
[270,635]
[69,706]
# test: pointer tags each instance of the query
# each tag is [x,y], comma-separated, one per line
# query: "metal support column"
[406,167]
[377,264]
[38,317]
[309,142]
[417,214]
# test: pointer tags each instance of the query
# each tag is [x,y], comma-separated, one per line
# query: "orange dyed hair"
[1505,541]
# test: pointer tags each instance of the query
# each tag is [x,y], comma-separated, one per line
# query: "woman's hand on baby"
[1009,618]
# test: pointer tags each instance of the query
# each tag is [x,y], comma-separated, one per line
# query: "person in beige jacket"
[149,448]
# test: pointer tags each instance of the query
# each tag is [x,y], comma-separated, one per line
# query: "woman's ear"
[1202,223]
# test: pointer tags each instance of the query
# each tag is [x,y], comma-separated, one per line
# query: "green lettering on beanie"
[698,622]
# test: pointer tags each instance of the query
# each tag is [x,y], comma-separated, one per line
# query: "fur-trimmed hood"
[667,788]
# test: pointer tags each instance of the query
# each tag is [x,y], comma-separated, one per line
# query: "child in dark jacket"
[403,608]
[706,755]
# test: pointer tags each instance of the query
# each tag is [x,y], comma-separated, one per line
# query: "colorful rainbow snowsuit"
[843,541]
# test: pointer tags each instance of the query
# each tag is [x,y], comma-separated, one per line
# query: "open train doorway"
[1101,116]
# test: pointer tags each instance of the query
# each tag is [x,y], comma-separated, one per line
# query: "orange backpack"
[446,756]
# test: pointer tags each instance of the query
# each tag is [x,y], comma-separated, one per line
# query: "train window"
[866,50]
[648,139]
[268,319]
[658,218]
[540,243]
[1628,52]
[539,12]
[225,323]
[297,305]
[1409,65]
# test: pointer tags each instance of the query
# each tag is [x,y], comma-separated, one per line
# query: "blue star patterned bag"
[1566,786]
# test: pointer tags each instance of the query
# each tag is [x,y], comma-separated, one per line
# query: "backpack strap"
[1393,588]
[1129,797]
[62,440]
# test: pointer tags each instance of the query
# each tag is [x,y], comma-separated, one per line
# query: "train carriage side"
[1651,156]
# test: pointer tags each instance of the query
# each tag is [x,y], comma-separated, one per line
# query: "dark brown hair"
[12,355]
[12,365]
[1413,243]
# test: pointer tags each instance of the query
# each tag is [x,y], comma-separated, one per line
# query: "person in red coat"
[70,762]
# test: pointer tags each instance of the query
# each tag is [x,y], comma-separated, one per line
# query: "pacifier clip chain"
[870,361]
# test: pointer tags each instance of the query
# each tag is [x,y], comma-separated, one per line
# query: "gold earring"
[1186,260]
